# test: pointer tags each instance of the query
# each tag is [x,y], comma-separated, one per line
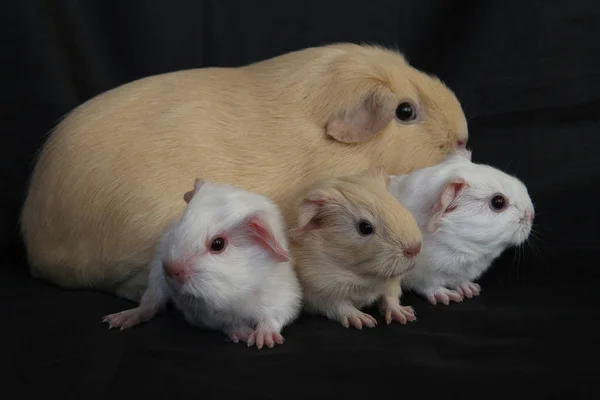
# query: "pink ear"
[447,201]
[261,231]
[366,119]
[308,212]
[198,183]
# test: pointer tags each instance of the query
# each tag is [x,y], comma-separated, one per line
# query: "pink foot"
[357,319]
[241,334]
[126,319]
[262,336]
[444,296]
[393,311]
[469,289]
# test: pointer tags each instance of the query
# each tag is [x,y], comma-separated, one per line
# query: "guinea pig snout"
[412,250]
[461,143]
[529,216]
[177,271]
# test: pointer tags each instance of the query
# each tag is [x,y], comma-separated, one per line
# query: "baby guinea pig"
[225,265]
[351,245]
[469,214]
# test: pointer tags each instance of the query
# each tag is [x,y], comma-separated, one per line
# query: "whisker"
[518,165]
[539,252]
[530,246]
[517,260]
[520,254]
[538,236]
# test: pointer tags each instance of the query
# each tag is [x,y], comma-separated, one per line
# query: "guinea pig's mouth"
[522,234]
[396,267]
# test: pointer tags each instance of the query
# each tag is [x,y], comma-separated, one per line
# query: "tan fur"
[112,174]
[341,271]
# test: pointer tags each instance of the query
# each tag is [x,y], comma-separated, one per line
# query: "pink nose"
[461,143]
[176,271]
[412,251]
[531,216]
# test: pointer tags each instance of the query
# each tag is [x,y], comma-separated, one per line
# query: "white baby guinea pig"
[351,245]
[469,214]
[225,265]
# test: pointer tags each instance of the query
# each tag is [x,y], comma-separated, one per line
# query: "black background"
[528,76]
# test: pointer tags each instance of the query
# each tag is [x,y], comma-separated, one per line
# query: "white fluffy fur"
[241,290]
[459,246]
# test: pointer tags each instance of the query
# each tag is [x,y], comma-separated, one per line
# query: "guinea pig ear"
[198,183]
[446,202]
[364,119]
[308,214]
[260,231]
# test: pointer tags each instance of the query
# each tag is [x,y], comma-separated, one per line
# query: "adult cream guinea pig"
[469,214]
[351,245]
[225,265]
[103,186]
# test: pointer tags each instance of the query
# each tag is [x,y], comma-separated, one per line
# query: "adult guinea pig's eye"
[406,112]
[364,228]
[217,245]
[498,202]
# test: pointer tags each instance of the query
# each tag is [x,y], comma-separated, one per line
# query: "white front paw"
[443,295]
[469,289]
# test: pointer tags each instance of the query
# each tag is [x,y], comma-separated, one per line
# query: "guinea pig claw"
[241,334]
[345,322]
[444,296]
[398,313]
[278,338]
[260,338]
[363,319]
[469,289]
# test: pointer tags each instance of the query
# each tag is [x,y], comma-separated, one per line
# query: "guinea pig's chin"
[184,286]
[397,267]
[521,235]
[407,266]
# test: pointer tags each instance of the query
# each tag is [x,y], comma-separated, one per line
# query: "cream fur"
[111,175]
[342,271]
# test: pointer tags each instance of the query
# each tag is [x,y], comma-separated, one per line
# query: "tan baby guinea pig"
[352,243]
[108,180]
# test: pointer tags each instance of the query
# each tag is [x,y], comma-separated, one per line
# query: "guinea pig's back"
[125,157]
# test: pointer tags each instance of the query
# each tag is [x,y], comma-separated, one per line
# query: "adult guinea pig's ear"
[362,114]
[446,202]
[309,213]
[198,183]
[261,232]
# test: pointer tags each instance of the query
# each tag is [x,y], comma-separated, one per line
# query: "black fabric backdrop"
[528,75]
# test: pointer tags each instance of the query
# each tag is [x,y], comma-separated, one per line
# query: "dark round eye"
[406,112]
[217,245]
[365,228]
[498,202]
